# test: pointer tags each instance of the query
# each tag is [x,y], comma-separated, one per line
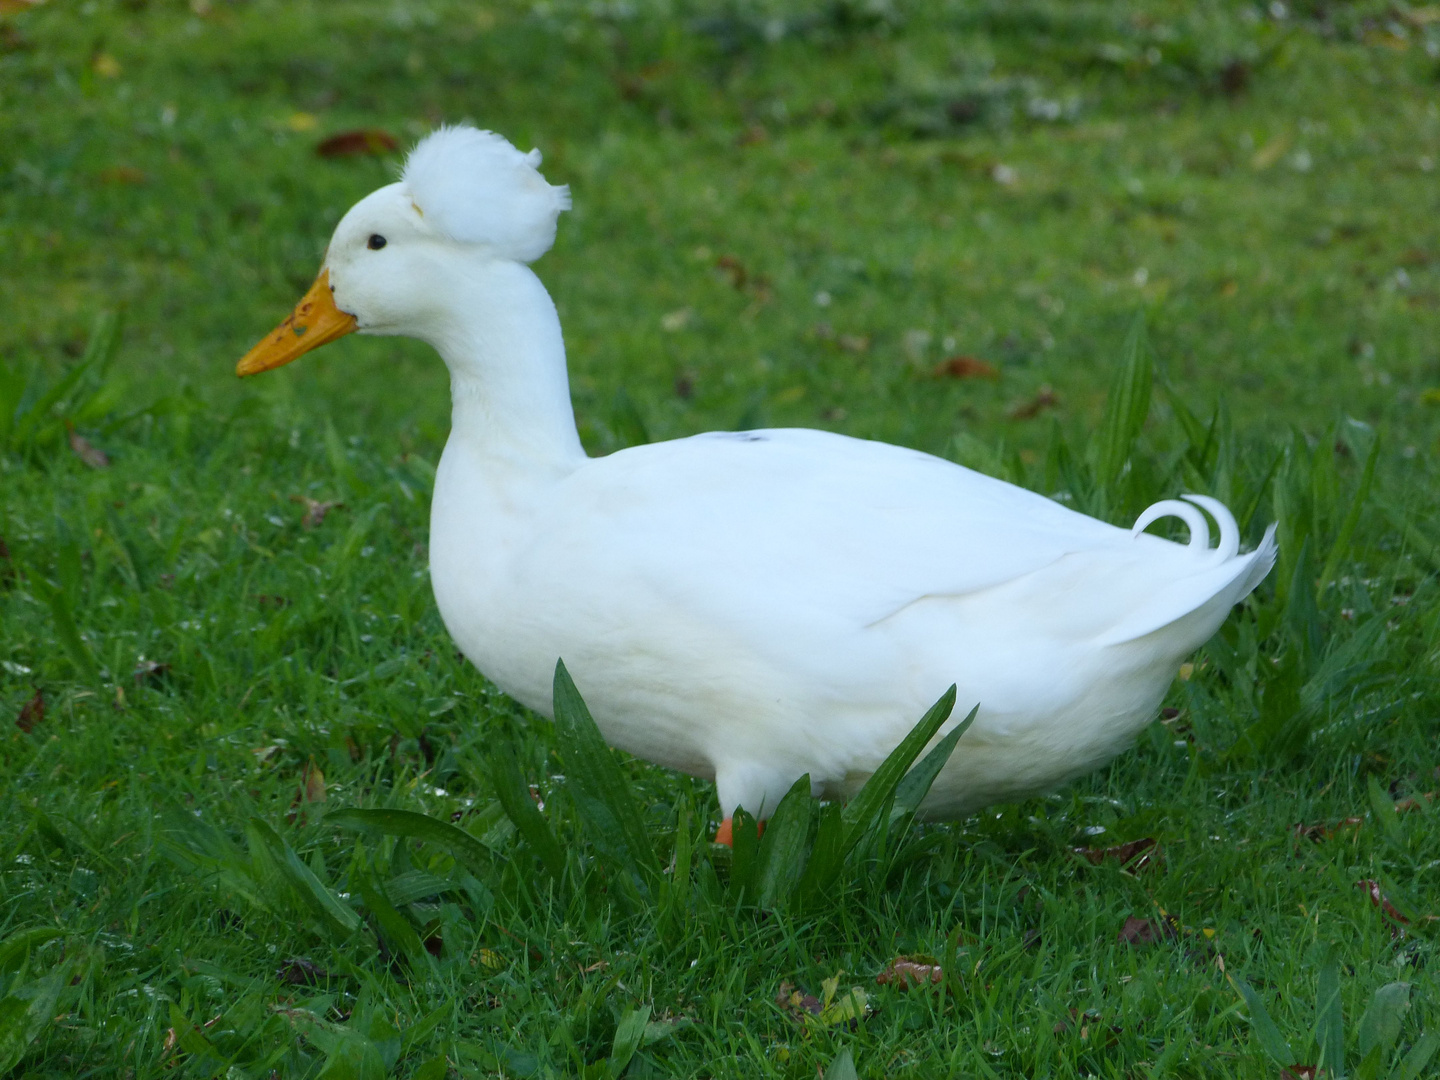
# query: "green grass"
[1007,181]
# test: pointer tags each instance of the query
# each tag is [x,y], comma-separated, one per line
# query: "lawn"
[226,696]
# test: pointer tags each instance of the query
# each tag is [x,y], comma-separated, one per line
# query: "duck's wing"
[804,523]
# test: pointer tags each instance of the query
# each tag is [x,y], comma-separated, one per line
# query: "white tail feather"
[1199,527]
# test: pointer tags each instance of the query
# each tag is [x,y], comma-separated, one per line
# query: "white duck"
[748,606]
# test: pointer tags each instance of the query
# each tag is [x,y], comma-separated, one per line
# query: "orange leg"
[725,833]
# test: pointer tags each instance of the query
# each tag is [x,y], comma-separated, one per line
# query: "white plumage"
[760,605]
[476,188]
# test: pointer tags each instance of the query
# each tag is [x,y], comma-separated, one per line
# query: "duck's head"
[466,198]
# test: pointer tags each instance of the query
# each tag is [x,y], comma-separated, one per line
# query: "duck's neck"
[510,392]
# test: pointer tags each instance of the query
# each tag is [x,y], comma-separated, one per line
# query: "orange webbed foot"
[725,834]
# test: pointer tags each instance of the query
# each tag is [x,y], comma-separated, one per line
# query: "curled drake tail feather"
[1194,603]
[1229,545]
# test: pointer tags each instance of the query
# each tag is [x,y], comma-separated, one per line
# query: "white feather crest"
[475,187]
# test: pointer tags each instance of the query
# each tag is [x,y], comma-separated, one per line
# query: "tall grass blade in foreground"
[603,797]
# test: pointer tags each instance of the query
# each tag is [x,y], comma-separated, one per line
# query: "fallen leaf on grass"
[1379,900]
[8,7]
[96,459]
[268,600]
[965,367]
[315,510]
[1143,853]
[149,671]
[1301,1072]
[796,1003]
[905,972]
[31,713]
[758,285]
[1045,398]
[753,135]
[831,1009]
[298,971]
[310,790]
[1415,802]
[734,269]
[856,343]
[121,174]
[1234,78]
[1137,931]
[374,141]
[1270,153]
[495,962]
[1324,831]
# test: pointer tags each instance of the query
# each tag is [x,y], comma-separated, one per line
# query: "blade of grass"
[1126,407]
[916,783]
[416,826]
[315,894]
[393,926]
[25,1012]
[603,795]
[1269,1035]
[1413,1064]
[1341,545]
[1380,1025]
[827,856]
[65,628]
[514,796]
[780,859]
[744,843]
[1329,1019]
[629,1034]
[860,811]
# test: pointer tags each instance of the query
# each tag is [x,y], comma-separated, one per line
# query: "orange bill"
[314,322]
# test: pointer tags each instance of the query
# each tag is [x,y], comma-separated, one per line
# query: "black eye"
[376,242]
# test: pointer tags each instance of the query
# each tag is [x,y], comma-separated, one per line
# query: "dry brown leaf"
[1379,900]
[315,510]
[96,459]
[310,790]
[1045,398]
[905,972]
[734,270]
[1324,831]
[830,1009]
[11,7]
[374,141]
[121,174]
[312,786]
[32,713]
[298,971]
[1234,78]
[1301,1072]
[1137,931]
[965,367]
[1415,802]
[1143,853]
[796,1003]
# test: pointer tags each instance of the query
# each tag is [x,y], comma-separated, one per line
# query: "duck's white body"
[757,606]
